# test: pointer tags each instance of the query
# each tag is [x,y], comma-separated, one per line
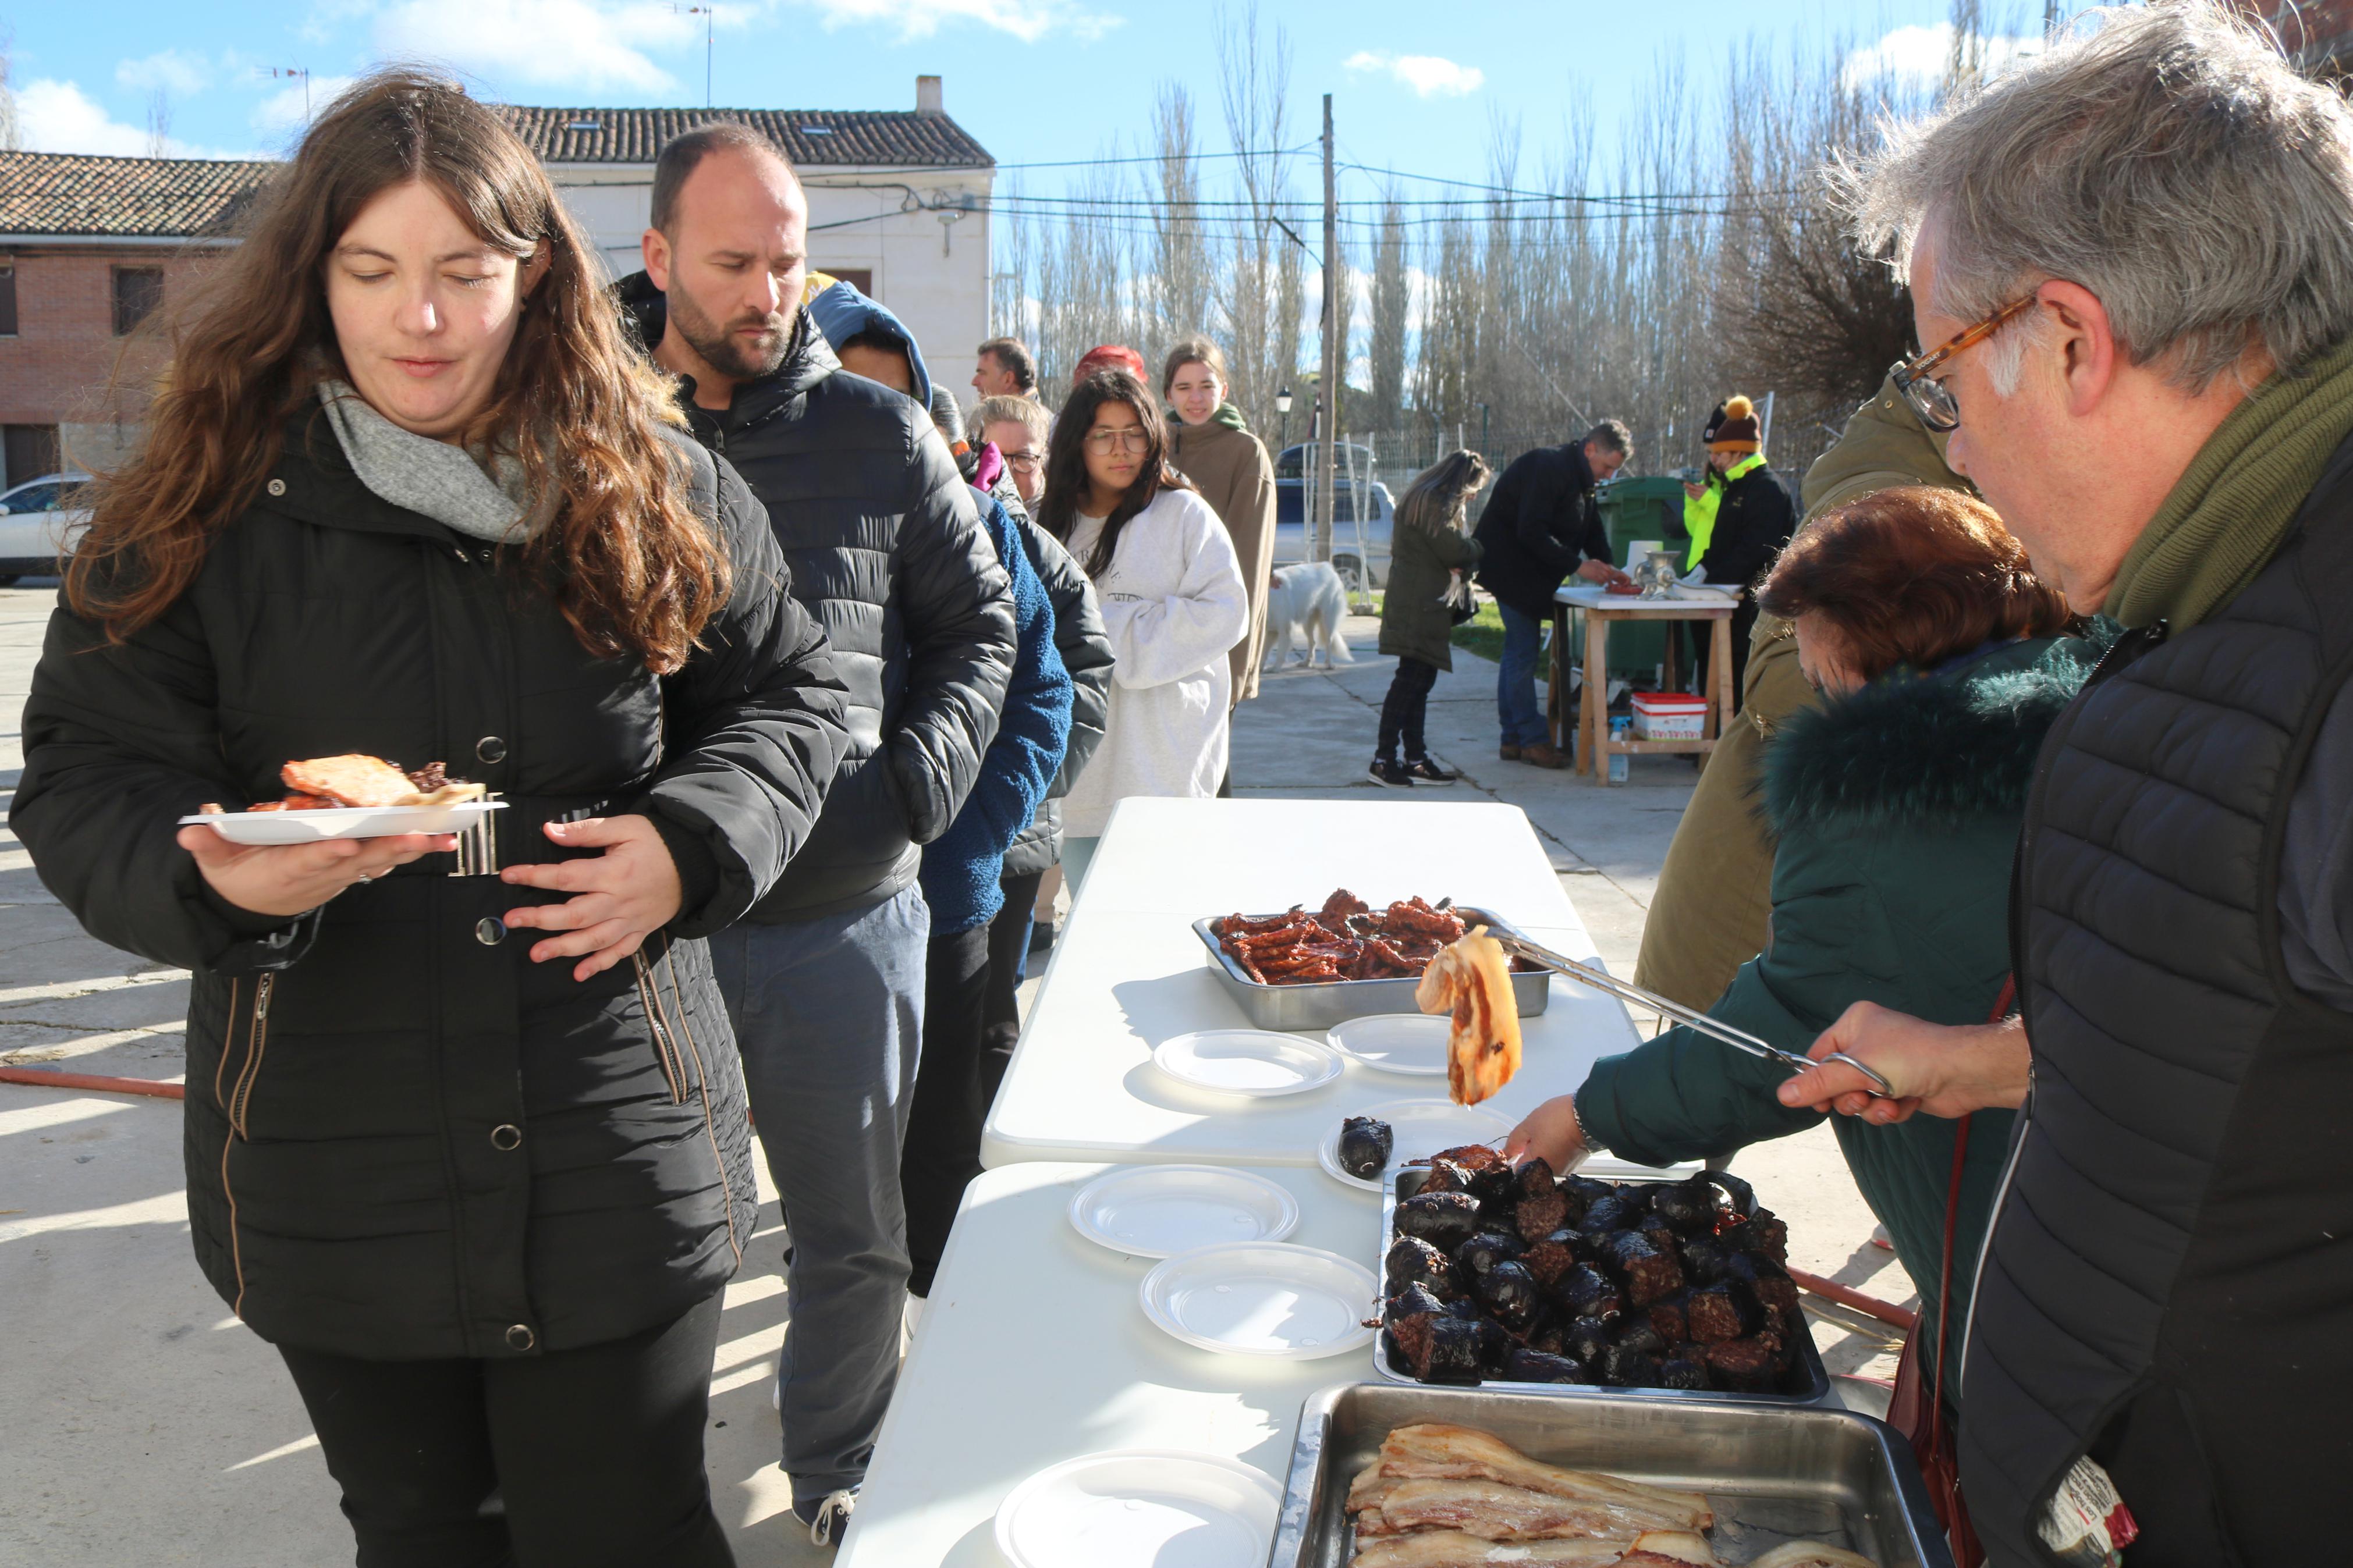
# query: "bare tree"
[1182,275]
[11,135]
[1392,301]
[1264,283]
[159,123]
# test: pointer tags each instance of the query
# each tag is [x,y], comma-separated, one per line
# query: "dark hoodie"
[887,552]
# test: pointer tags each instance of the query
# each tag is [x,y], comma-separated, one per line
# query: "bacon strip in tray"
[1344,940]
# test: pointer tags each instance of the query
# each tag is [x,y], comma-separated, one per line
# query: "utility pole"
[1319,544]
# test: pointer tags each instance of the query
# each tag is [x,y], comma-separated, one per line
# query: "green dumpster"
[1643,506]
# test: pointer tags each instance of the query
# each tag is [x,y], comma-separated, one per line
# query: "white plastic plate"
[344,822]
[1254,1063]
[1410,1043]
[1420,1129]
[1263,1298]
[1157,1211]
[1140,1508]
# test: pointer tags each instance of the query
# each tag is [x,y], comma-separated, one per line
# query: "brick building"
[91,248]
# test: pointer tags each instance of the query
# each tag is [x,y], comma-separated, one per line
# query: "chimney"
[928,97]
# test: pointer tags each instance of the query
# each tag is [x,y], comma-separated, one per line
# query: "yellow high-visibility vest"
[1699,516]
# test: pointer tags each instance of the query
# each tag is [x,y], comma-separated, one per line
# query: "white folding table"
[1129,973]
[1033,1350]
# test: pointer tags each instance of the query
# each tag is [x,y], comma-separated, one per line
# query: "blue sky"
[1417,86]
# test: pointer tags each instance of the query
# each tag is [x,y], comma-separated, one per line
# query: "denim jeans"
[1516,708]
[828,1014]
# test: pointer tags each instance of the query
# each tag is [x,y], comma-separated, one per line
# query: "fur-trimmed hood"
[1927,749]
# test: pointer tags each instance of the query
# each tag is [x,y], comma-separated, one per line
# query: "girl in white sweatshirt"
[1173,600]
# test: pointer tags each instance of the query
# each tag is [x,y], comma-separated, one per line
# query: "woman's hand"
[1693,491]
[289,879]
[619,898]
[1551,1134]
[1946,1070]
[1601,571]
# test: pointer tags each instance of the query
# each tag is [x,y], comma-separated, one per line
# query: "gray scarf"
[446,483]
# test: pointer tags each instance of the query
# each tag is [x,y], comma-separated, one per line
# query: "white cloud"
[290,108]
[174,71]
[1430,76]
[583,45]
[1027,20]
[59,117]
[1918,55]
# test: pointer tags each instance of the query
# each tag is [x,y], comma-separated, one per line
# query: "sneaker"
[1508,751]
[1542,754]
[1384,770]
[829,1520]
[1422,769]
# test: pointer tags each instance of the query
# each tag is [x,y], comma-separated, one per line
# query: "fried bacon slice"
[1438,1450]
[1472,979]
[352,780]
[1453,1549]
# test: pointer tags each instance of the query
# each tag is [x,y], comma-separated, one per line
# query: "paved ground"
[143,1424]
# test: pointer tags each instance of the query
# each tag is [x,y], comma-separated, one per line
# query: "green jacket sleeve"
[1685,1094]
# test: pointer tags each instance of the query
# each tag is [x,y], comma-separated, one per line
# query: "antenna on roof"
[304,72]
[710,14]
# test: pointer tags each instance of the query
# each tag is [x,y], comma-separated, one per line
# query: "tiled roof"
[82,194]
[899,138]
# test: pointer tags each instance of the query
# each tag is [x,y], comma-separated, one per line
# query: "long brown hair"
[633,570]
[1066,485]
[1441,494]
[1913,575]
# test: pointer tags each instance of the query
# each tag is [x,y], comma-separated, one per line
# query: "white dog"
[1306,601]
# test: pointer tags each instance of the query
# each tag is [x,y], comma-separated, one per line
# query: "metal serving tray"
[1809,1381]
[1773,1473]
[1321,1005]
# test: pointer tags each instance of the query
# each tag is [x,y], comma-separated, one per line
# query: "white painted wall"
[939,290]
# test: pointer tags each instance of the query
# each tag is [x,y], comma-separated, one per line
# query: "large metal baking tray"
[1808,1380]
[1773,1473]
[1321,1005]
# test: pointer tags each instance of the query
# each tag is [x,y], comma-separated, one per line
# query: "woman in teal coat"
[1896,804]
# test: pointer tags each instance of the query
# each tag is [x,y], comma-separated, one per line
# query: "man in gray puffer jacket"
[825,977]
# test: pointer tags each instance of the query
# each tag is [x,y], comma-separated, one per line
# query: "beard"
[719,346]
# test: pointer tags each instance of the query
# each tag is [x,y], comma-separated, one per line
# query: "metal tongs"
[1603,980]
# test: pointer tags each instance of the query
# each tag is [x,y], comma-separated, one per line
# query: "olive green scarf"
[2231,510]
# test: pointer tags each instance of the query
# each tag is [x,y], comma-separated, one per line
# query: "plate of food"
[353,797]
[1158,1211]
[1267,1299]
[1364,1150]
[1169,1509]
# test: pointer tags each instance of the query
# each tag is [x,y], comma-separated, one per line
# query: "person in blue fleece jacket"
[961,869]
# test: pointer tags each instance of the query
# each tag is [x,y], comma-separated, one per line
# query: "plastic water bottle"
[1621,728]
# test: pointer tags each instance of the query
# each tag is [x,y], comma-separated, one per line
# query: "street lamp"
[1283,408]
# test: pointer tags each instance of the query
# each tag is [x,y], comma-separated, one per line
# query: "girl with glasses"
[1173,600]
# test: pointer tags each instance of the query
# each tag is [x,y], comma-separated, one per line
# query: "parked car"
[38,521]
[1351,478]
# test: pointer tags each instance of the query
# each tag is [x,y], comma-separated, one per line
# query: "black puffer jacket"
[888,553]
[1086,648]
[1539,523]
[406,1140]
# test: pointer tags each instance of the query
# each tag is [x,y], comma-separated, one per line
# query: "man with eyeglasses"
[2131,259]
[1016,426]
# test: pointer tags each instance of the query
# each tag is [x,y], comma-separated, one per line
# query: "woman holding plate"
[468,1150]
